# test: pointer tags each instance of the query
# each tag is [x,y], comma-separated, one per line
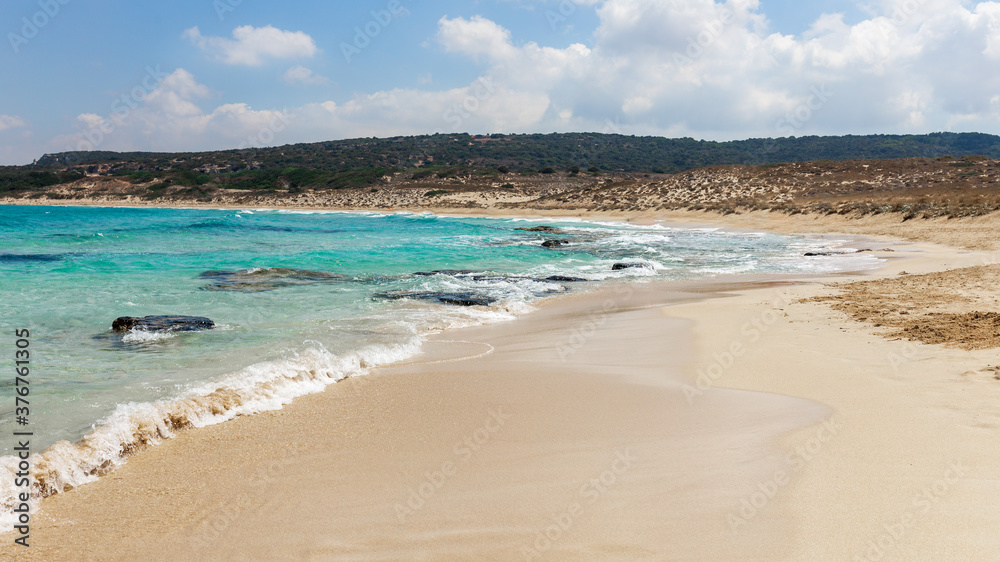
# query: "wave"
[261,387]
[142,336]
[134,427]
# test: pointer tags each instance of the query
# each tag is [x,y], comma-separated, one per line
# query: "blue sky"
[213,74]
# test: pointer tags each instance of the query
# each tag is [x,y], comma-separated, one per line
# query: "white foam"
[142,336]
[135,426]
[261,387]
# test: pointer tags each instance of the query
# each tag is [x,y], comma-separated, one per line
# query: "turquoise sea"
[299,301]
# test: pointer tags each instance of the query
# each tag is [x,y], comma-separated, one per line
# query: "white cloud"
[304,76]
[715,70]
[476,36]
[171,118]
[696,68]
[11,122]
[483,105]
[176,95]
[251,46]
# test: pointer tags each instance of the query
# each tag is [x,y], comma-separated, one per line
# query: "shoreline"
[480,395]
[452,382]
[969,233]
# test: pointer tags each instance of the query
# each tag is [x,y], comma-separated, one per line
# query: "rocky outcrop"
[457,299]
[162,324]
[546,229]
[451,272]
[621,266]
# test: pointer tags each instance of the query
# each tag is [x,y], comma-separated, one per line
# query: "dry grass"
[958,308]
[910,188]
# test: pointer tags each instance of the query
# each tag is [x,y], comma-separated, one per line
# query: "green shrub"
[141,177]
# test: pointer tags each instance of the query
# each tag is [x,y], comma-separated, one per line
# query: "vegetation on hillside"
[350,162]
[461,158]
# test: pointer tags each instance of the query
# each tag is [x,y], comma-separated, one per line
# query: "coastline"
[969,233]
[575,424]
[454,457]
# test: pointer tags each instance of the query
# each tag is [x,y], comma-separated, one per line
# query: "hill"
[939,174]
[619,153]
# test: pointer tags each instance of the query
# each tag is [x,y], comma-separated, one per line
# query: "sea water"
[299,300]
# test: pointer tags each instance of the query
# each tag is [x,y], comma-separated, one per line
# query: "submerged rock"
[162,323]
[548,229]
[29,257]
[554,243]
[497,278]
[452,272]
[482,277]
[265,279]
[457,299]
[621,266]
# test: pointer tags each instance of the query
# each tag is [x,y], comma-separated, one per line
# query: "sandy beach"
[516,280]
[738,419]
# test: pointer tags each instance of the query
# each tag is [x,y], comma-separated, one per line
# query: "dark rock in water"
[466,300]
[458,299]
[498,278]
[162,323]
[554,243]
[815,254]
[29,257]
[621,266]
[564,279]
[265,279]
[548,229]
[451,272]
[242,287]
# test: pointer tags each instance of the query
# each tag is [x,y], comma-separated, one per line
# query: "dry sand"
[651,424]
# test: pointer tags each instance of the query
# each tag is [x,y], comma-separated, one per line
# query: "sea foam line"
[136,426]
[261,387]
